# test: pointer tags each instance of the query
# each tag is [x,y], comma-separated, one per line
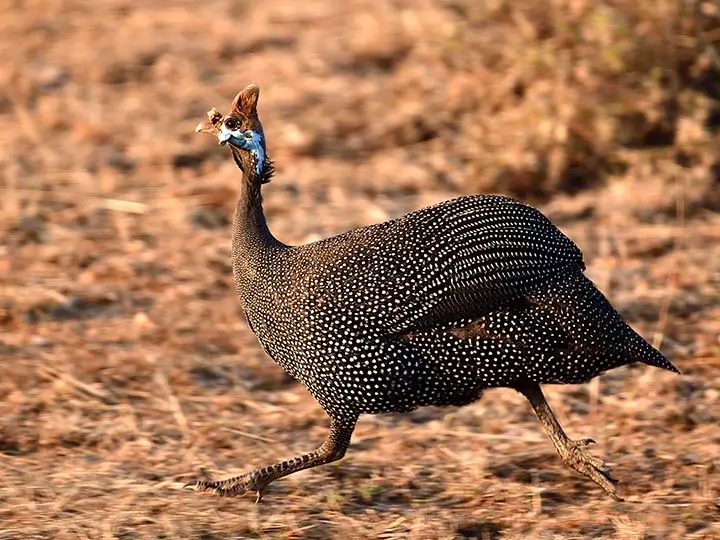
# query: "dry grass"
[127,367]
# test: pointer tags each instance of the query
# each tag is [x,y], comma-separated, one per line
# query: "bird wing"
[481,253]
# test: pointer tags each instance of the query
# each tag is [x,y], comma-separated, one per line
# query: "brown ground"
[126,367]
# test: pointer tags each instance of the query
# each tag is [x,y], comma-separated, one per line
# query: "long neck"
[252,241]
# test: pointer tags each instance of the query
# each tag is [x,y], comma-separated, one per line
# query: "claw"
[583,443]
[591,466]
[229,487]
[197,485]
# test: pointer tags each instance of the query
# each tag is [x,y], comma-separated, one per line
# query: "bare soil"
[126,367]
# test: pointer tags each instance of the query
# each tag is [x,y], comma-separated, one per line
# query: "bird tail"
[592,322]
[632,344]
[641,351]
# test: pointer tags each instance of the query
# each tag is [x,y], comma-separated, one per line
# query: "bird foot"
[230,487]
[584,463]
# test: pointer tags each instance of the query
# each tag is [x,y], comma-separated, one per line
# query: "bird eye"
[232,123]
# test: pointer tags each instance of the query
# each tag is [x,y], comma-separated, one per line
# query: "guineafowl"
[431,308]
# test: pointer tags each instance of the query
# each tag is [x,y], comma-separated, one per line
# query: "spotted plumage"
[431,308]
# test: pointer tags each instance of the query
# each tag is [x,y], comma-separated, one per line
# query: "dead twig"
[80,387]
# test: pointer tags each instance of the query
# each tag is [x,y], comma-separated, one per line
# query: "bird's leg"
[572,452]
[257,480]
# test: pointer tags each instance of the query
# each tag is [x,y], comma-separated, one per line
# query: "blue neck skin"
[247,140]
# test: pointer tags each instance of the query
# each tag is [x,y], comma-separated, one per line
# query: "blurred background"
[126,367]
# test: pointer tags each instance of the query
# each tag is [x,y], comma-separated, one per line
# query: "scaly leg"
[572,452]
[257,480]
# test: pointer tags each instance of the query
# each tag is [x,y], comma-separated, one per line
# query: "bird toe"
[592,467]
[229,487]
[585,442]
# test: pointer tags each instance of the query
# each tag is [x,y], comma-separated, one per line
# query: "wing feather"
[486,251]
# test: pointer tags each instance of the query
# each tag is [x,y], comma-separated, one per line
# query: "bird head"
[242,131]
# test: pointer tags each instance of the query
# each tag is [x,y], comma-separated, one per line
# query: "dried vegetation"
[126,366]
